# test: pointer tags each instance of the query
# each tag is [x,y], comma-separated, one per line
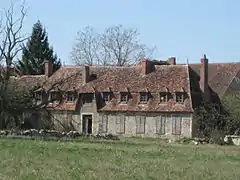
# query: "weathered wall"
[110,123]
[150,125]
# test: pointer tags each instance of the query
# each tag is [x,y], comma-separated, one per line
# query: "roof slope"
[220,75]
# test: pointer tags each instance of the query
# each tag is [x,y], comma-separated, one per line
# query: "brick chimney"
[48,67]
[147,66]
[172,61]
[86,74]
[204,78]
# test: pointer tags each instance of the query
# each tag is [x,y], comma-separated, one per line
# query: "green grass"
[131,158]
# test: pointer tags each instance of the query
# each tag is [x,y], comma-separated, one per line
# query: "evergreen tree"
[36,51]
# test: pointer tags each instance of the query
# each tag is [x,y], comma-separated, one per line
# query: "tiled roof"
[219,75]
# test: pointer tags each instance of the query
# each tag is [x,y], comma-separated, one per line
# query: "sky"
[185,29]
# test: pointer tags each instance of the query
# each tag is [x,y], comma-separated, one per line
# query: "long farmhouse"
[152,98]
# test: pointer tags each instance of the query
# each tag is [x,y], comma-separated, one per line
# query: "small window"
[87,98]
[176,125]
[70,96]
[164,97]
[144,96]
[179,97]
[55,96]
[106,96]
[124,97]
[140,124]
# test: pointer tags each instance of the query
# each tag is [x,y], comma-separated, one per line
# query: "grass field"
[128,159]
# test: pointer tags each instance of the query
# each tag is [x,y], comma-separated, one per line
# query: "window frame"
[106,95]
[145,99]
[126,97]
[165,96]
[70,95]
[180,95]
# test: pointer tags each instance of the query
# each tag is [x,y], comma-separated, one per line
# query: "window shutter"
[176,125]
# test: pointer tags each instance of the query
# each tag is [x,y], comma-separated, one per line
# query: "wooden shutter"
[140,124]
[160,124]
[103,123]
[120,123]
[176,125]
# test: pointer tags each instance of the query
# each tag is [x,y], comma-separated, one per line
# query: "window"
[55,96]
[179,97]
[144,97]
[106,96]
[87,98]
[120,123]
[164,97]
[140,124]
[124,97]
[103,124]
[38,96]
[70,97]
[160,124]
[176,125]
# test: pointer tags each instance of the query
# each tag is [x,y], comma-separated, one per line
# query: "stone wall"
[106,123]
[151,129]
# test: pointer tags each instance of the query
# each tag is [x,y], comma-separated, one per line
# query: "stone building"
[152,98]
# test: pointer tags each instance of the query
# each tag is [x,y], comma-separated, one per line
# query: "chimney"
[48,67]
[204,77]
[147,66]
[86,74]
[172,61]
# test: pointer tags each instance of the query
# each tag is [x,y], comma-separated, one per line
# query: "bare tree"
[115,46]
[12,101]
[11,39]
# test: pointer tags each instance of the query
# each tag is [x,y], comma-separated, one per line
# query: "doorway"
[87,124]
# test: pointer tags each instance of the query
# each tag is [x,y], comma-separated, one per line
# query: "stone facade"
[126,124]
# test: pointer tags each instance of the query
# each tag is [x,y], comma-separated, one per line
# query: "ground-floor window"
[120,123]
[140,124]
[160,124]
[176,124]
[103,123]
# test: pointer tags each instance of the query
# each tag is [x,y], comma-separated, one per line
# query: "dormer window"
[164,97]
[144,96]
[87,97]
[106,96]
[124,97]
[70,97]
[180,97]
[55,96]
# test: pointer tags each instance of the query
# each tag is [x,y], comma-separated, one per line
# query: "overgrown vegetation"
[214,121]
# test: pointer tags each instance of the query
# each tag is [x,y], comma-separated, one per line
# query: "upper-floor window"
[55,96]
[164,97]
[144,96]
[87,97]
[106,96]
[180,97]
[124,97]
[70,97]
